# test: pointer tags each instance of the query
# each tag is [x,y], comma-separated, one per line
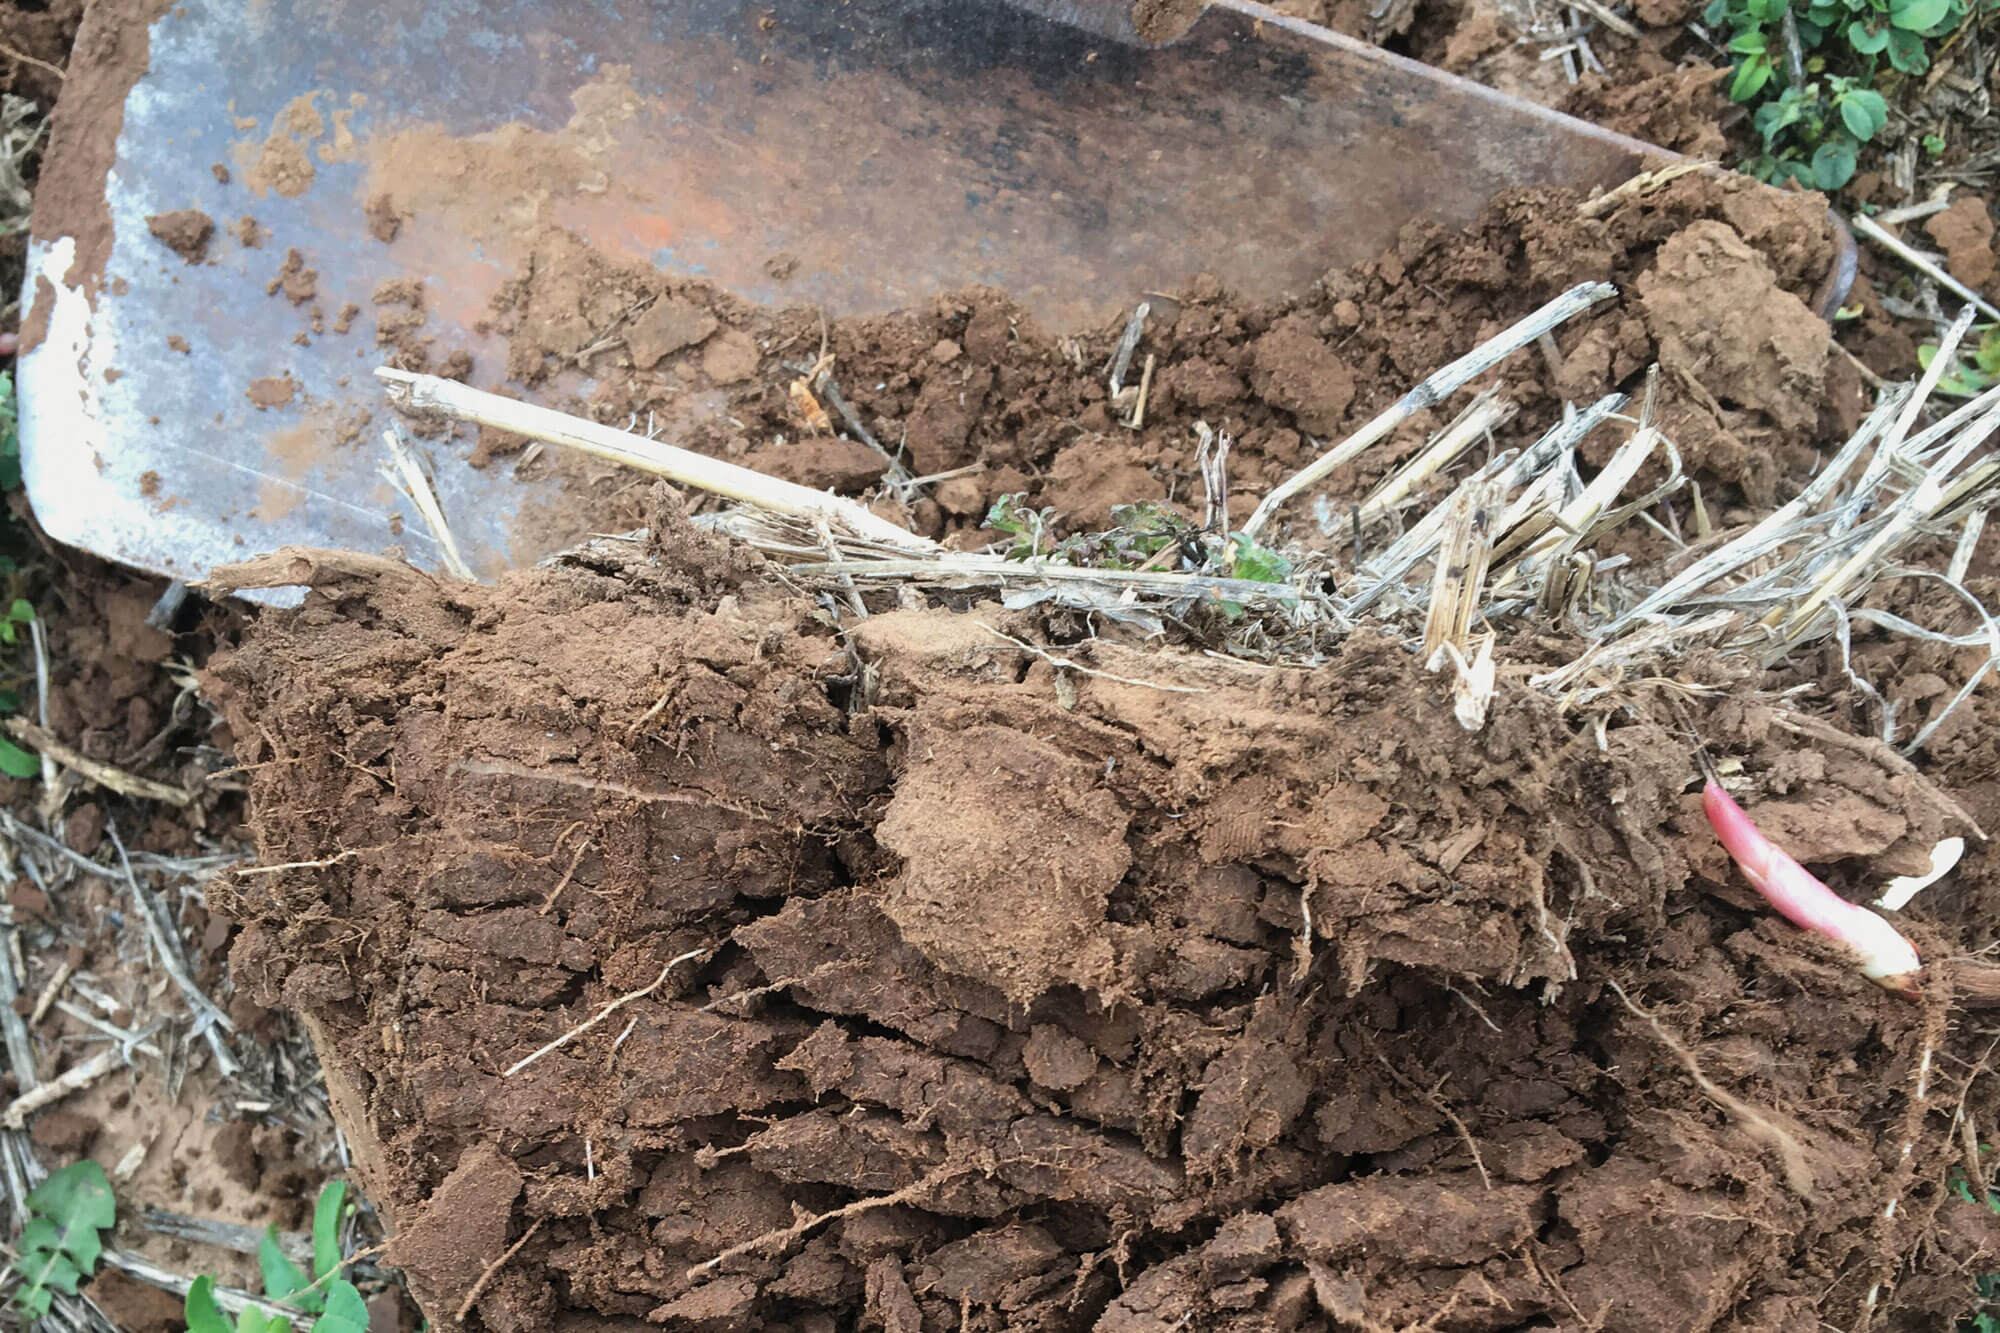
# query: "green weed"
[1974,370]
[1816,102]
[1984,1320]
[334,1303]
[10,434]
[60,1244]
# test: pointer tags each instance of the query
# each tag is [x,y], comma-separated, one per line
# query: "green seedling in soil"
[15,762]
[333,1303]
[15,627]
[10,435]
[1144,536]
[61,1243]
[1974,371]
[1987,1318]
[1817,103]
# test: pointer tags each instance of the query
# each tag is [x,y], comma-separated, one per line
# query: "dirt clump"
[185,232]
[1680,109]
[1965,233]
[299,283]
[968,381]
[272,391]
[975,998]
[384,222]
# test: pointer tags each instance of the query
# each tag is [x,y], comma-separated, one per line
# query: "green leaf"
[1748,43]
[1751,76]
[1906,52]
[326,1227]
[1864,112]
[1833,164]
[1958,381]
[18,763]
[1918,15]
[1987,357]
[1768,11]
[60,1244]
[1247,560]
[346,1312]
[1866,39]
[22,611]
[1715,13]
[282,1277]
[203,1315]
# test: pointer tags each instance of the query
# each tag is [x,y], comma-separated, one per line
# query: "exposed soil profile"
[1006,1001]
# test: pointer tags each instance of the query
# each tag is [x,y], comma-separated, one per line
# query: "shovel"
[179,411]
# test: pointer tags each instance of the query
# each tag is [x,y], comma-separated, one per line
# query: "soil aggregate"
[1004,1002]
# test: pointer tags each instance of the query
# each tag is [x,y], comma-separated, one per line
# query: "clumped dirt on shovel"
[1075,1003]
[1716,277]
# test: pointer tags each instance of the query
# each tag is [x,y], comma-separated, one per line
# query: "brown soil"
[1707,266]
[273,391]
[299,283]
[175,1140]
[111,47]
[1025,1003]
[185,232]
[1965,233]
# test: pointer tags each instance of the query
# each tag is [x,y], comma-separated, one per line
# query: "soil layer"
[975,996]
[1716,278]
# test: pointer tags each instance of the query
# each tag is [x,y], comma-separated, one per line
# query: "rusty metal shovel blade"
[176,415]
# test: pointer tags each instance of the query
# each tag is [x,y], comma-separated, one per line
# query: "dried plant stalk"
[461,402]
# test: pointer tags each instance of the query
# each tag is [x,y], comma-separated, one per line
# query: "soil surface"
[1716,277]
[972,998]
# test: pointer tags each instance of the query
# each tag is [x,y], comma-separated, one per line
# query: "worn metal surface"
[896,148]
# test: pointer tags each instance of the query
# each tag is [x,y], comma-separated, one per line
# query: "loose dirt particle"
[299,283]
[272,391]
[177,343]
[666,327]
[1965,233]
[250,233]
[731,357]
[383,220]
[185,232]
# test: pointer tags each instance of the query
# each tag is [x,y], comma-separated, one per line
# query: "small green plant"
[10,435]
[1816,103]
[1985,1319]
[61,1243]
[15,762]
[1973,370]
[333,1302]
[1027,527]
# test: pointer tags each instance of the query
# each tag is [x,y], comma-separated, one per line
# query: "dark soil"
[1282,1005]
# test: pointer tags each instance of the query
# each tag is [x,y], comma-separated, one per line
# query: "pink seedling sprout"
[1887,959]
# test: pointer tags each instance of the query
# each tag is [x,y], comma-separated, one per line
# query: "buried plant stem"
[428,393]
